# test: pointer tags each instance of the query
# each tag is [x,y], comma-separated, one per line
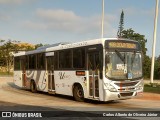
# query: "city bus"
[101,69]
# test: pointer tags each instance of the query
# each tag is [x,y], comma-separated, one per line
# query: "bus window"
[17,63]
[26,63]
[32,61]
[40,61]
[65,59]
[56,60]
[79,58]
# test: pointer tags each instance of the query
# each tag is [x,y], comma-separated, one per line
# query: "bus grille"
[126,94]
[126,84]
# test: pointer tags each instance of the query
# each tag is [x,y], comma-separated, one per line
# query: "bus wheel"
[78,93]
[33,87]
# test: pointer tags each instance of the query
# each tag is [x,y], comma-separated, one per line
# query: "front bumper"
[121,95]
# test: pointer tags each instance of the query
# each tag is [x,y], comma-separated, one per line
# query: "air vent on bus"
[126,94]
[126,84]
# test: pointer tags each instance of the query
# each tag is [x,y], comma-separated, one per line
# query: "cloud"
[67,21]
[34,25]
[57,15]
[11,1]
[16,2]
[4,17]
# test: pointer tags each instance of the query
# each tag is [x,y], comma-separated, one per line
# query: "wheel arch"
[33,83]
[32,80]
[75,84]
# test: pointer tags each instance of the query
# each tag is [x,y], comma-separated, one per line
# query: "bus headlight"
[140,86]
[110,87]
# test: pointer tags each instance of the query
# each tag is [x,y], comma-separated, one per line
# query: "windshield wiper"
[120,56]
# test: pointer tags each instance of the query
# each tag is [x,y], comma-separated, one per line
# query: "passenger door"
[93,67]
[50,70]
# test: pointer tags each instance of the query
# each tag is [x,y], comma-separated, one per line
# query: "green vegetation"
[152,88]
[7,49]
[131,34]
[121,24]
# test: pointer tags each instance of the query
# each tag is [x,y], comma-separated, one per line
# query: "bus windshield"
[123,65]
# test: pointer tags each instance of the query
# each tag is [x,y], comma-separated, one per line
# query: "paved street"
[14,98]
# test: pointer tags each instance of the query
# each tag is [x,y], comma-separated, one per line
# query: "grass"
[152,88]
[6,74]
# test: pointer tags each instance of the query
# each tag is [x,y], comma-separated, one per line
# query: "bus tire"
[78,93]
[33,87]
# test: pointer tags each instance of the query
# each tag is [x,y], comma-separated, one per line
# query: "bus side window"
[17,65]
[26,64]
[79,58]
[65,59]
[41,61]
[32,61]
[56,60]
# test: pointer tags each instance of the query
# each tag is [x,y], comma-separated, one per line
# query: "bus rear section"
[30,71]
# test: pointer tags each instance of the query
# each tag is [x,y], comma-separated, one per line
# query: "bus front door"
[93,67]
[50,69]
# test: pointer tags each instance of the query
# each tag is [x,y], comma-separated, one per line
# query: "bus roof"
[60,46]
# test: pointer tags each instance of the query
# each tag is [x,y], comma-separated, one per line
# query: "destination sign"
[122,45]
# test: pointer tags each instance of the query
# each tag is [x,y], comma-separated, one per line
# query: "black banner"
[43,114]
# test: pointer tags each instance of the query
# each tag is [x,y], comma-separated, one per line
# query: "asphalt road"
[13,98]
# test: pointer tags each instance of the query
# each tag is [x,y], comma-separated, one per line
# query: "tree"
[157,68]
[121,24]
[1,41]
[8,49]
[2,61]
[38,45]
[25,46]
[146,66]
[7,55]
[131,34]
[158,58]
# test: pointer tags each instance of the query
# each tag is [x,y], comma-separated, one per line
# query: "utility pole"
[102,32]
[154,40]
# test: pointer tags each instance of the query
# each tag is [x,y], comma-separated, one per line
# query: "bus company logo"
[62,75]
[21,114]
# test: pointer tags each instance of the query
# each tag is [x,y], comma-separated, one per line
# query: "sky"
[54,21]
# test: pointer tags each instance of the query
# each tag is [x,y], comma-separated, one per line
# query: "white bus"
[101,69]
